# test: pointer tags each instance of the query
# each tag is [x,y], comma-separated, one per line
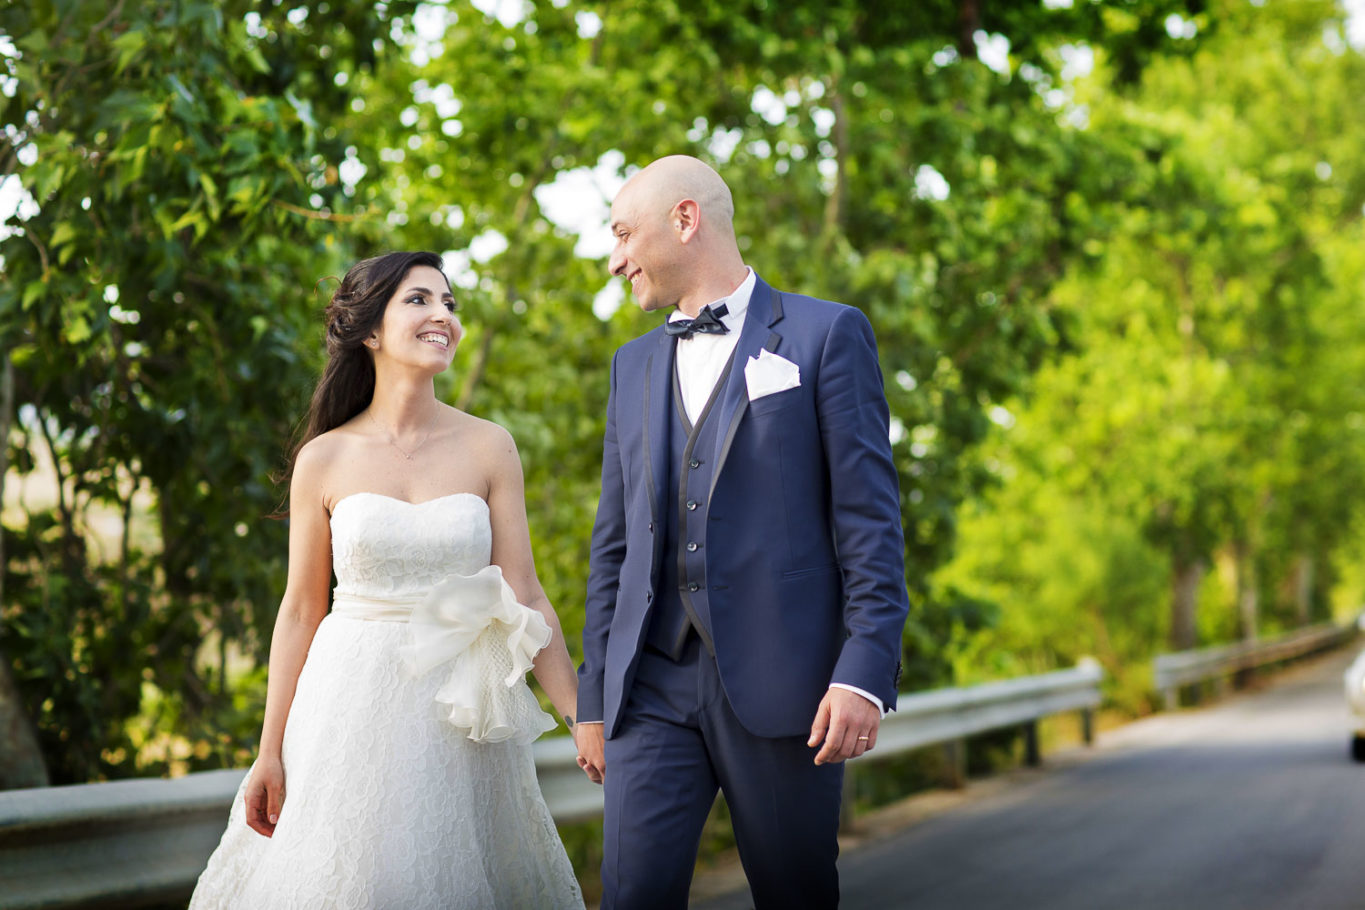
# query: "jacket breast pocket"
[778,401]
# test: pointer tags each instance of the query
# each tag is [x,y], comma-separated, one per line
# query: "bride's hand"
[591,752]
[265,796]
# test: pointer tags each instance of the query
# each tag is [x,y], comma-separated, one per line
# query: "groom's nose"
[616,265]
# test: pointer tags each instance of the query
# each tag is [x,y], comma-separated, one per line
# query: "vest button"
[691,546]
[692,505]
[694,464]
[694,587]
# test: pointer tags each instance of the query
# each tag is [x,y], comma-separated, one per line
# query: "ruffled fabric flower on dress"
[474,624]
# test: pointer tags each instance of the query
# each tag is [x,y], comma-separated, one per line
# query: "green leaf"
[76,330]
[211,194]
[253,56]
[128,45]
[33,292]
[63,234]
[192,217]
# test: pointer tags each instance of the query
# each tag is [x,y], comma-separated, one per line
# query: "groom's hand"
[590,739]
[847,725]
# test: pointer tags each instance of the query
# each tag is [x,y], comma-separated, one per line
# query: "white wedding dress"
[409,781]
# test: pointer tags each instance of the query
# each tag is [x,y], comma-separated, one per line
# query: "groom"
[746,591]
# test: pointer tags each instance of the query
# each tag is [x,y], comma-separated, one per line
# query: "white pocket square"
[768,374]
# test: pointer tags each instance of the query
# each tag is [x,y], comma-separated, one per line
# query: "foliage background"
[1112,252]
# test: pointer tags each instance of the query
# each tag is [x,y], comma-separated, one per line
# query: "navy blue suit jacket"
[804,550]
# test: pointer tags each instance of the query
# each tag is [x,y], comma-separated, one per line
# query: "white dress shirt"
[702,357]
[700,360]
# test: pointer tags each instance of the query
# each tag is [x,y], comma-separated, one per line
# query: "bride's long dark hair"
[356,308]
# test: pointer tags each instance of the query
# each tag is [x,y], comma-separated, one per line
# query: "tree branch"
[366,215]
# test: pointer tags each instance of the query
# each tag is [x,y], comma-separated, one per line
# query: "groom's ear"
[686,219]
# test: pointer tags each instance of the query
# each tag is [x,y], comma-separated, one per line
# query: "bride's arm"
[301,610]
[512,553]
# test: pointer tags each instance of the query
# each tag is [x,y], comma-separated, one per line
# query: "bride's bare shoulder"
[329,446]
[322,455]
[485,436]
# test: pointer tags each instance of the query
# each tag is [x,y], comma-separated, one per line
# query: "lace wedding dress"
[409,781]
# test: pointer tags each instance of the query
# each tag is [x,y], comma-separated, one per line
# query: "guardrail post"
[846,801]
[1032,756]
[1172,694]
[955,764]
[1088,726]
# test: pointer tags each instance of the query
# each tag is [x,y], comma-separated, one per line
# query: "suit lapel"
[658,407]
[765,309]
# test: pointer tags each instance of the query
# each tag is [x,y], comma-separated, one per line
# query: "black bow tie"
[707,323]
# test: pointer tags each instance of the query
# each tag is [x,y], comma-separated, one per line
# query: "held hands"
[590,739]
[847,725]
[265,796]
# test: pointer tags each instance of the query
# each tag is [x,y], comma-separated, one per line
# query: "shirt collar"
[737,303]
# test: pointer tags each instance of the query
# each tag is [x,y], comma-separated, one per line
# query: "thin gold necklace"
[389,436]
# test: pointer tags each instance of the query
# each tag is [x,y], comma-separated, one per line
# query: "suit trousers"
[678,741]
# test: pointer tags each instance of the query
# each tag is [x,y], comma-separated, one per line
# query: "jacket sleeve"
[865,504]
[604,568]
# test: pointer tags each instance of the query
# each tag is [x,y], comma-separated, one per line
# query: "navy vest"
[673,617]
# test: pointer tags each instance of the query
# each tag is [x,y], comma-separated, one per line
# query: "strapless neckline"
[415,505]
[383,546]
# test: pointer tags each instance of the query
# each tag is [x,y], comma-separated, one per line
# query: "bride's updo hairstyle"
[356,309]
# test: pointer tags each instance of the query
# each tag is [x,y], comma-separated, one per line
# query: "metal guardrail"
[144,842]
[131,843]
[947,715]
[1186,668]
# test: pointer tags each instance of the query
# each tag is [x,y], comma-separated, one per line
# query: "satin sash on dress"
[475,625]
[375,609]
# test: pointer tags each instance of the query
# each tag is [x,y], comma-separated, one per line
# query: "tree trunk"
[1184,594]
[21,759]
[968,23]
[1248,599]
[1303,588]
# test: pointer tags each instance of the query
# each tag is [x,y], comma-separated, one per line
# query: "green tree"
[1211,405]
[158,314]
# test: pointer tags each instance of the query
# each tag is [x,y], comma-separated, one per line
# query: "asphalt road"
[1251,803]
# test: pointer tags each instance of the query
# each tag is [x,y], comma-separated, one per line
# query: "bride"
[395,767]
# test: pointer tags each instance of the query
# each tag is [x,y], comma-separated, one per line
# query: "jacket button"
[694,587]
[692,505]
[651,527]
[691,546]
[649,597]
[694,464]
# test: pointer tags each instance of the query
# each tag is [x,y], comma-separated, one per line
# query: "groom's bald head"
[671,180]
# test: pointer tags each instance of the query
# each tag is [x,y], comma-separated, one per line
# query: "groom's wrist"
[877,702]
